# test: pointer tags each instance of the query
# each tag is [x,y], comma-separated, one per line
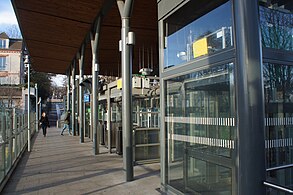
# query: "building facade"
[226,96]
[11,63]
[11,72]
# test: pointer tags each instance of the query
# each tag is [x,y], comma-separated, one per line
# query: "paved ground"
[61,165]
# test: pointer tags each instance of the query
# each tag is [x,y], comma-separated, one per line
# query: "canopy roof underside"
[54,31]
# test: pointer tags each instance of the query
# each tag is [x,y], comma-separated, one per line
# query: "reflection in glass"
[276,22]
[278,87]
[208,178]
[146,112]
[203,35]
[200,119]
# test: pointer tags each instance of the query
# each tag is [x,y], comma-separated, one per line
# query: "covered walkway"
[61,165]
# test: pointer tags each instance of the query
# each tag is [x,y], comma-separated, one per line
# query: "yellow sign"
[200,47]
[119,84]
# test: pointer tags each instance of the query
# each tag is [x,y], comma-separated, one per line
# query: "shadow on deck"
[61,165]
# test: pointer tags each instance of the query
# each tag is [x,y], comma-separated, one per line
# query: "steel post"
[73,99]
[14,127]
[109,118]
[95,106]
[95,72]
[125,10]
[37,108]
[249,99]
[28,108]
[80,99]
[68,91]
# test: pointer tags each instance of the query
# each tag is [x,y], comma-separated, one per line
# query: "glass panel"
[147,153]
[150,136]
[2,162]
[276,21]
[200,117]
[208,178]
[203,32]
[146,112]
[278,87]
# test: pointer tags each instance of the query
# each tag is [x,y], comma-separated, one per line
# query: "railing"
[146,142]
[276,187]
[13,140]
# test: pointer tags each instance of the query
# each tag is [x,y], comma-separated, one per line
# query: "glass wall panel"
[195,31]
[200,119]
[276,20]
[208,178]
[278,87]
[146,112]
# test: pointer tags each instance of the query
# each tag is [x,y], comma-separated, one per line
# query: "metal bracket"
[130,38]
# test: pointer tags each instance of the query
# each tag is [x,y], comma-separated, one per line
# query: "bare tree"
[12,30]
[276,28]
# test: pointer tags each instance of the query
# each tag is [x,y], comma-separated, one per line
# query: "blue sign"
[86,97]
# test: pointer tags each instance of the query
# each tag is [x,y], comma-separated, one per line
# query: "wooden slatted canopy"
[54,31]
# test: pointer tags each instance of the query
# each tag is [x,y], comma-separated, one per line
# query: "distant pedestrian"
[44,122]
[66,123]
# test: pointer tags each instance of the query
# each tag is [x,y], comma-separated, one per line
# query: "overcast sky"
[7,15]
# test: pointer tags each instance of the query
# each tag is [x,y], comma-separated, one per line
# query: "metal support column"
[68,91]
[28,104]
[16,136]
[125,9]
[73,99]
[95,73]
[76,105]
[10,140]
[249,100]
[109,118]
[80,100]
[37,107]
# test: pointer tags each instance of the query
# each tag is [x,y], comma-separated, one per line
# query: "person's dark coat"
[44,121]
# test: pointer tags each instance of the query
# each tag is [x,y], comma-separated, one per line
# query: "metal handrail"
[278,187]
[16,132]
[279,167]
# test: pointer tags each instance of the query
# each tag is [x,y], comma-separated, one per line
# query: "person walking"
[66,123]
[44,122]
